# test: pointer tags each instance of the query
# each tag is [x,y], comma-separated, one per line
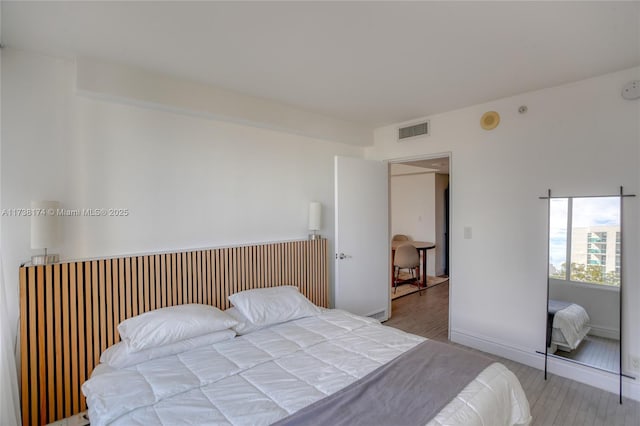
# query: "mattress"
[266,375]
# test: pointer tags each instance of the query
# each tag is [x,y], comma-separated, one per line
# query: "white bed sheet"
[570,325]
[266,375]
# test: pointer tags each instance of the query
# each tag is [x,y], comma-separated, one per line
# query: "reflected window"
[585,234]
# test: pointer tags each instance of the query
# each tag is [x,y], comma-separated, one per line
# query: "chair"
[406,257]
[400,237]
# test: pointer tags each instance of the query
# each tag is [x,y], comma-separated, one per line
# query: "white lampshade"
[45,232]
[315,216]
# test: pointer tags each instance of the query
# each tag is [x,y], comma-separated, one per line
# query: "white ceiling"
[373,63]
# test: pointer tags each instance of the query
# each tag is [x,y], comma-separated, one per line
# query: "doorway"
[419,208]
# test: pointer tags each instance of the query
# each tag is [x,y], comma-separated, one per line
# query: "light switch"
[467,232]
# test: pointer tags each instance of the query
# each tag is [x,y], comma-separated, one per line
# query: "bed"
[71,313]
[286,372]
[567,326]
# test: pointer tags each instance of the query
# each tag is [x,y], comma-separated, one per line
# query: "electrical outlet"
[634,363]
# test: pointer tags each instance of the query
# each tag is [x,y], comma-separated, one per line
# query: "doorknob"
[342,256]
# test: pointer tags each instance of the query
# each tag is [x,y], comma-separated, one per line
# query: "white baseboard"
[485,344]
[580,373]
[606,332]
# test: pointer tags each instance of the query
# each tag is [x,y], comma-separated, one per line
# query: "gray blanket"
[410,390]
[557,305]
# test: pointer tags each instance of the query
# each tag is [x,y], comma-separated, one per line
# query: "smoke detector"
[631,90]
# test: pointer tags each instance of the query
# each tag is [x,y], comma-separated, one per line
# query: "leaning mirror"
[585,252]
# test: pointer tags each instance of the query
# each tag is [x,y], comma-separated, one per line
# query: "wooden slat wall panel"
[50,327]
[82,346]
[73,310]
[62,333]
[70,311]
[24,336]
[66,338]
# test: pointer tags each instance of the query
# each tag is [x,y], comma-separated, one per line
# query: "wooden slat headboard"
[69,312]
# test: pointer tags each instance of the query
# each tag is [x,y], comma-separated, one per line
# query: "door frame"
[400,160]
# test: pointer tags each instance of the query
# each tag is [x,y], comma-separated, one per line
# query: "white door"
[362,237]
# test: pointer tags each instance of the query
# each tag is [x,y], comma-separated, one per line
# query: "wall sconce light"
[315,220]
[45,232]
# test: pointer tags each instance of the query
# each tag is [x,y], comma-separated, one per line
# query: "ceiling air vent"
[414,130]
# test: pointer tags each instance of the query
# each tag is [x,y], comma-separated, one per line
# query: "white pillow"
[120,355]
[172,324]
[266,306]
[244,325]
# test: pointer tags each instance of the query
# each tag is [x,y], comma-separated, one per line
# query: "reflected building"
[597,245]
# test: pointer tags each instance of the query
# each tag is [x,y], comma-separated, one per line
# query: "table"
[422,247]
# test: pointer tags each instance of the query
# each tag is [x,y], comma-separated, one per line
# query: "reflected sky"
[601,211]
[558,231]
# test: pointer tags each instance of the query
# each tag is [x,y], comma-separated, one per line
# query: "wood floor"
[556,401]
[597,351]
[425,315]
[411,287]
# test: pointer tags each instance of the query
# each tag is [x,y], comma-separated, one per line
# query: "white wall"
[413,210]
[142,87]
[580,138]
[187,181]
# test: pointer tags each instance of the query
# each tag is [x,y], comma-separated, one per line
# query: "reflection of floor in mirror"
[597,351]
